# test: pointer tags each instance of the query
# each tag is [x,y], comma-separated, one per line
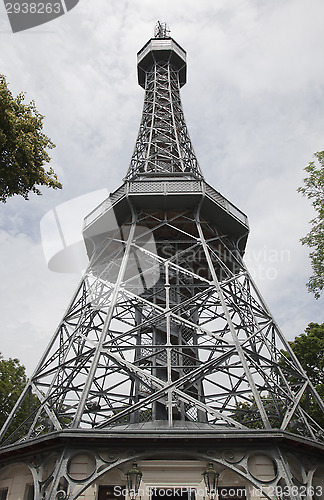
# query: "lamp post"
[211,481]
[133,477]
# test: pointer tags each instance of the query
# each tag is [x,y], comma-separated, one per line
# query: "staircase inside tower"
[169,350]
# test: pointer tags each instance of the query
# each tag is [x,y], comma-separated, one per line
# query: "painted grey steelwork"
[167,330]
[163,146]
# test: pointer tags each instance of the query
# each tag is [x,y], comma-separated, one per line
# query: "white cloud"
[32,298]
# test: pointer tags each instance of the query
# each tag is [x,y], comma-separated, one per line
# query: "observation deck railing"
[165,187]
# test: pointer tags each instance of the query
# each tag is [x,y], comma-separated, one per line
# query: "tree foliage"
[12,381]
[23,147]
[314,190]
[309,348]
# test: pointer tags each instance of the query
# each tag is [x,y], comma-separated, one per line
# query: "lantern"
[133,477]
[211,481]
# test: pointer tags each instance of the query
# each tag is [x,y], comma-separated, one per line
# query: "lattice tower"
[167,323]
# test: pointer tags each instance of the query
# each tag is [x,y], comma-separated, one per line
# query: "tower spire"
[163,146]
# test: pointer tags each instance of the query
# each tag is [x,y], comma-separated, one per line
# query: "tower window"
[111,493]
[29,493]
[173,494]
[232,493]
[3,493]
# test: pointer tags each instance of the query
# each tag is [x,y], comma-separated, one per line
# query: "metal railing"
[165,187]
[167,44]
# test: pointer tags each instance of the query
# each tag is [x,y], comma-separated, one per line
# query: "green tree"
[23,147]
[12,381]
[309,348]
[314,190]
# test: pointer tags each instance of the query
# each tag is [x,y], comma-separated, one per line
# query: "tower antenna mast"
[161,30]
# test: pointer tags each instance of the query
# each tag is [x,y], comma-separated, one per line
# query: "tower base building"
[254,465]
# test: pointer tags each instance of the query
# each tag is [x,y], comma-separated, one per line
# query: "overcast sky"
[254,108]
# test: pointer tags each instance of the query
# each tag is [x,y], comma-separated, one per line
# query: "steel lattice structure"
[163,144]
[198,345]
[167,324]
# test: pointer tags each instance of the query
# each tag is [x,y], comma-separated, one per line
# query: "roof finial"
[161,30]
